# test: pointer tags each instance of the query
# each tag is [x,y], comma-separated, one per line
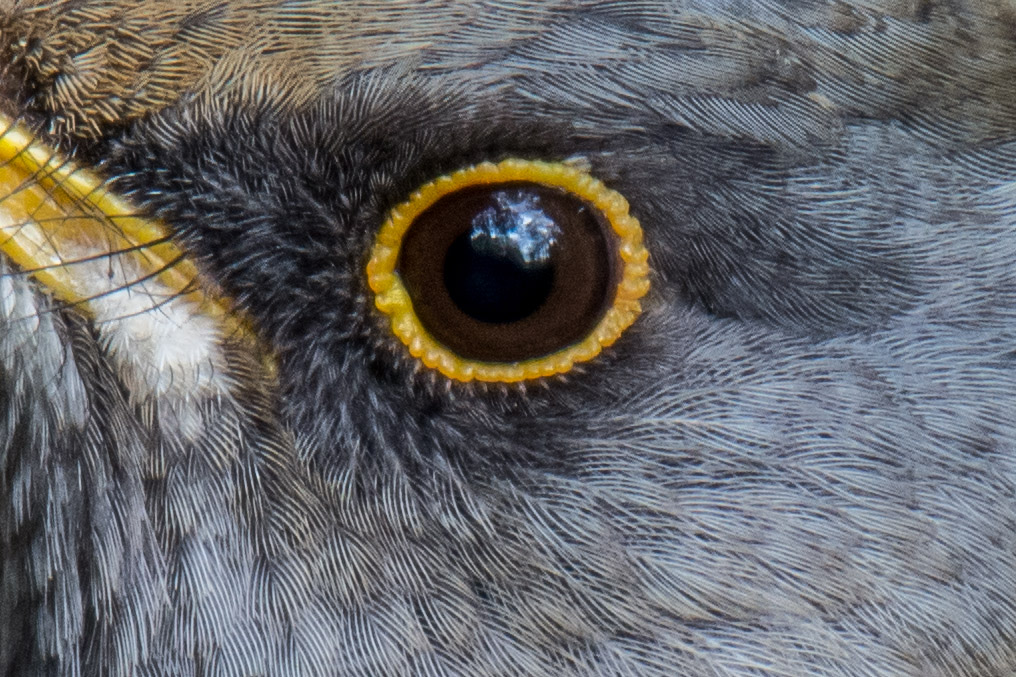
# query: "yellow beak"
[61,224]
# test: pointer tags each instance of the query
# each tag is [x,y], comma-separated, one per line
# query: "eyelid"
[392,298]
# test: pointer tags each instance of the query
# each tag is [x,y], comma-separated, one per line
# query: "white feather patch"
[161,344]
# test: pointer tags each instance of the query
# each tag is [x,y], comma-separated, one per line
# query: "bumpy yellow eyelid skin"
[56,215]
[392,298]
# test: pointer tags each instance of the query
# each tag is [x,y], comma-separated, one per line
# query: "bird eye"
[509,271]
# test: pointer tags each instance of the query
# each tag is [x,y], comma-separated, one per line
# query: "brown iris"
[509,271]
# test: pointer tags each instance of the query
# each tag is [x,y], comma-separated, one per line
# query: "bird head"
[755,418]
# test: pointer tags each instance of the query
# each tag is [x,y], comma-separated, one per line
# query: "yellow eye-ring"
[510,271]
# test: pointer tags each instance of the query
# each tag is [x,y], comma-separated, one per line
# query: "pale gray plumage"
[801,459]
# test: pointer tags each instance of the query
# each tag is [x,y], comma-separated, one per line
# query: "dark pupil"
[509,272]
[502,269]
